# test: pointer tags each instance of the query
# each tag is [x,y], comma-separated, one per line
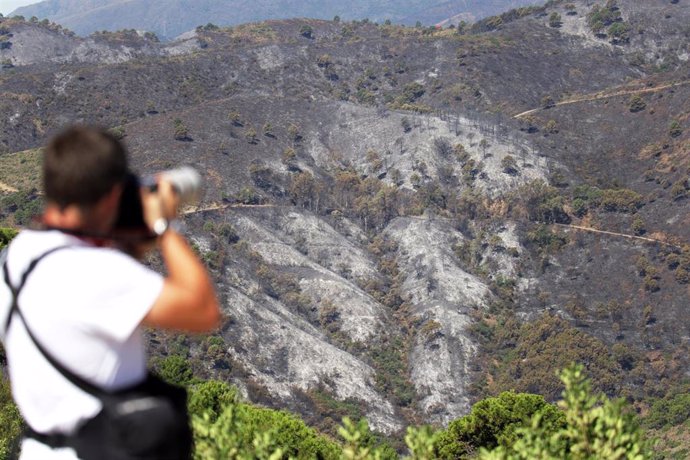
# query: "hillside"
[170,18]
[403,220]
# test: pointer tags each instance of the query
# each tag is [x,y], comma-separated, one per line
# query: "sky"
[7,6]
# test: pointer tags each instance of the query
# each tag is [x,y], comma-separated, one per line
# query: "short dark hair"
[81,165]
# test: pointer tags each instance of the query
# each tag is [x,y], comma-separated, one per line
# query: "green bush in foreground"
[495,421]
[509,427]
[11,425]
[226,428]
[596,428]
[6,235]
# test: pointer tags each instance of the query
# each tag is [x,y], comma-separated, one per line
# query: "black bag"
[148,421]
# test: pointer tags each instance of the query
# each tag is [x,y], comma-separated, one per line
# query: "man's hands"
[161,204]
[188,299]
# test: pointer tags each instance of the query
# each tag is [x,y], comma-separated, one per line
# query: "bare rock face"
[30,45]
[281,346]
[283,352]
[35,44]
[421,147]
[328,252]
[441,295]
[284,347]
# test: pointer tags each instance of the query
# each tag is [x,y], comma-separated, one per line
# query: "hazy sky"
[7,6]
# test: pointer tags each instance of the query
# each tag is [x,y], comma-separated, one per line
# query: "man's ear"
[112,199]
[104,213]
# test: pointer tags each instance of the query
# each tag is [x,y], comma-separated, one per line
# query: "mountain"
[403,220]
[169,18]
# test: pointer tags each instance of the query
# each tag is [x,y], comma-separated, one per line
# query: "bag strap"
[70,376]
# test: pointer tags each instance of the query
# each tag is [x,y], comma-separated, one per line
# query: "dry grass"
[21,170]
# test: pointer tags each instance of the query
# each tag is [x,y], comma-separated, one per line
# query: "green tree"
[211,397]
[6,235]
[509,165]
[228,429]
[595,428]
[251,136]
[671,410]
[421,442]
[235,118]
[547,102]
[174,369]
[294,132]
[11,424]
[555,20]
[181,131]
[636,103]
[360,444]
[306,31]
[619,32]
[496,421]
[118,132]
[551,127]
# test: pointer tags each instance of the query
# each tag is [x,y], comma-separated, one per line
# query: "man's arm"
[187,301]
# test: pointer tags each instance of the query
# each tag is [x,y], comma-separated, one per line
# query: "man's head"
[83,167]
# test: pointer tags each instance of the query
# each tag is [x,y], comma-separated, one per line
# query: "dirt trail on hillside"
[622,235]
[600,95]
[6,188]
[217,206]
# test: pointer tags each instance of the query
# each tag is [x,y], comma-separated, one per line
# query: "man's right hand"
[188,299]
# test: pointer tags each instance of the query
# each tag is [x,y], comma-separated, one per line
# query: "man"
[85,302]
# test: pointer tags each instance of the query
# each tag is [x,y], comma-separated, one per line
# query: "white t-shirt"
[84,304]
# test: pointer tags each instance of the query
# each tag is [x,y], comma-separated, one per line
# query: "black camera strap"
[70,376]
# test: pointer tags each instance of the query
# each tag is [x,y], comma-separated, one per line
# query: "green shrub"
[543,203]
[211,397]
[636,103]
[11,424]
[360,444]
[530,354]
[244,431]
[248,196]
[596,428]
[24,206]
[495,421]
[555,20]
[509,165]
[669,411]
[306,31]
[674,129]
[621,200]
[546,239]
[181,132]
[6,235]
[602,17]
[174,369]
[679,189]
[638,226]
[619,32]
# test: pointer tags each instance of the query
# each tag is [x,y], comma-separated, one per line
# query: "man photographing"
[75,305]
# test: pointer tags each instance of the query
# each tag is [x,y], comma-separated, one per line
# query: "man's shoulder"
[66,253]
